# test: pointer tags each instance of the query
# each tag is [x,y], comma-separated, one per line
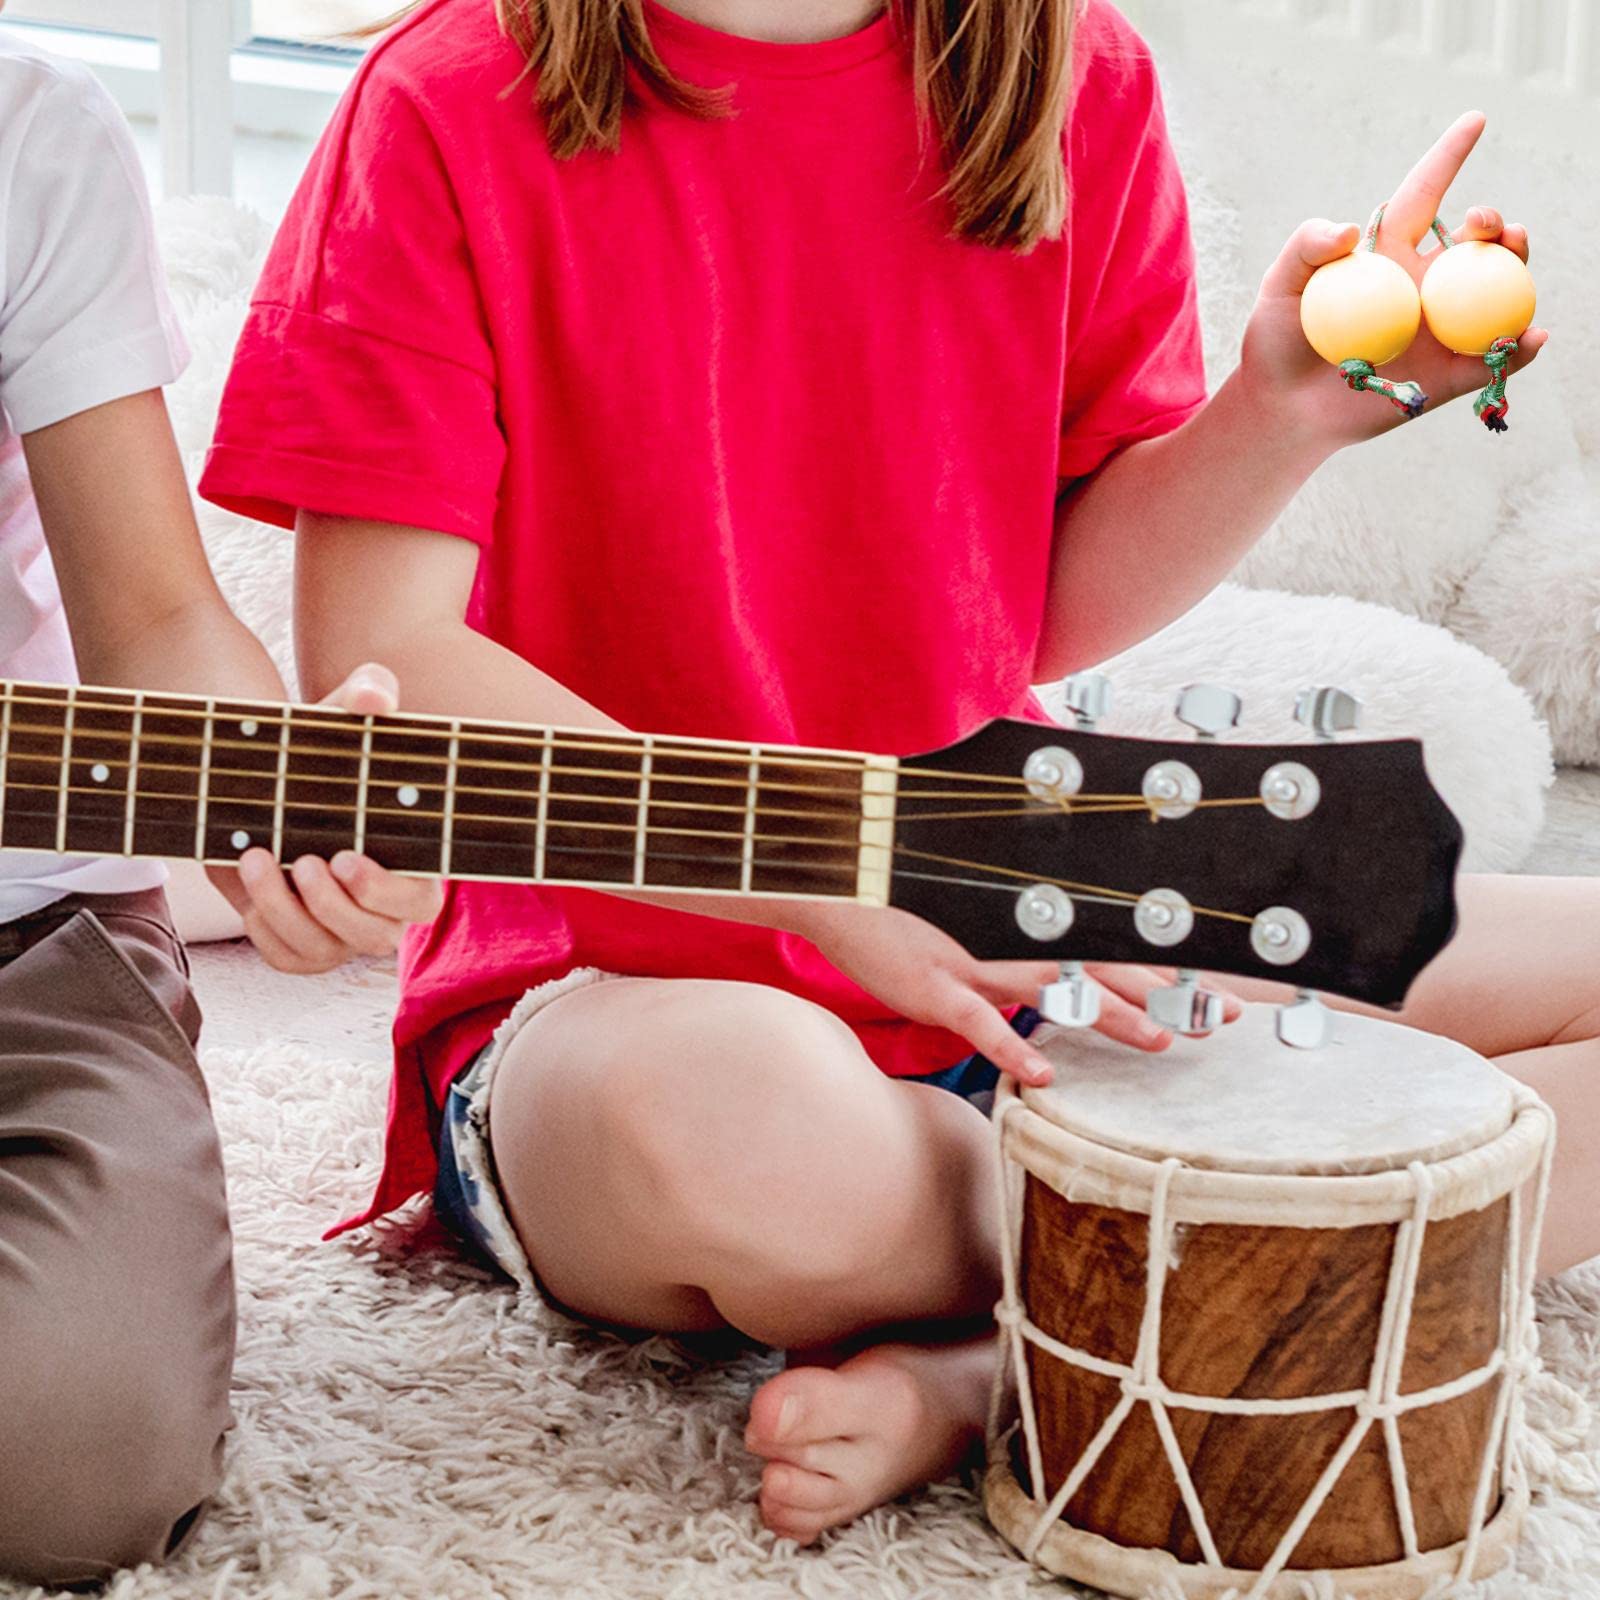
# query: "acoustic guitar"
[1328,864]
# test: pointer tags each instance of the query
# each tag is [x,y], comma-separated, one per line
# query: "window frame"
[196,67]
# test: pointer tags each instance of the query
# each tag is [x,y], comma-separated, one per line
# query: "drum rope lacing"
[1381,1402]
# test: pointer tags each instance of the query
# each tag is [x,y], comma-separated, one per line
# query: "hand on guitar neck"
[311,915]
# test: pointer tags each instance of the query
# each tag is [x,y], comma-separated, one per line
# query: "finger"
[371,690]
[976,1020]
[384,893]
[1012,983]
[274,951]
[1515,238]
[1481,222]
[325,899]
[273,906]
[1313,244]
[1126,1022]
[226,881]
[1416,202]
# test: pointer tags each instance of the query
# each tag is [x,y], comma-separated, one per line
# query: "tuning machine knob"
[1184,1007]
[1327,711]
[1304,1024]
[1073,1000]
[1087,696]
[1209,709]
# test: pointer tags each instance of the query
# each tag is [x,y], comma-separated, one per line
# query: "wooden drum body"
[1266,1313]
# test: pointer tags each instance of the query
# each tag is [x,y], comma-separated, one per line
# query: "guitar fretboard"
[117,772]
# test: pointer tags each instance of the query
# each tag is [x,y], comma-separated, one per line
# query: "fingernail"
[344,865]
[788,1418]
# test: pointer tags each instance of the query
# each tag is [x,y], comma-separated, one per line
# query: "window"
[317,21]
[207,71]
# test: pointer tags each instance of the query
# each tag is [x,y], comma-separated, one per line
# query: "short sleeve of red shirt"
[363,384]
[1134,367]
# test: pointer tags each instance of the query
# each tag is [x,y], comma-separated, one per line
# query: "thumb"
[370,689]
[1313,244]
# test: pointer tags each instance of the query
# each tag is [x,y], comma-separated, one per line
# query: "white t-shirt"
[84,320]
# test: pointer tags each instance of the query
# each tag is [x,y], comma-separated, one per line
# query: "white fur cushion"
[1487,751]
[1495,537]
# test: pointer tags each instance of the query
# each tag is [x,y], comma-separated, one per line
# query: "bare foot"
[839,1441]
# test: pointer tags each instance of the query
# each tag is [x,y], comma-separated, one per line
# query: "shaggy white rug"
[406,1429]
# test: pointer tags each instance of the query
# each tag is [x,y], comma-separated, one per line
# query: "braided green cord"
[1491,406]
[1405,396]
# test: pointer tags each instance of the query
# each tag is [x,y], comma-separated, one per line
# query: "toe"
[800,1407]
[784,1485]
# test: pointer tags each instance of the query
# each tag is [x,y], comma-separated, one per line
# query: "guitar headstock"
[1324,865]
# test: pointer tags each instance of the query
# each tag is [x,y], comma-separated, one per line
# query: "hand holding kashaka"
[1361,300]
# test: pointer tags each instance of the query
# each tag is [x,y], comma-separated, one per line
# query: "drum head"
[1375,1097]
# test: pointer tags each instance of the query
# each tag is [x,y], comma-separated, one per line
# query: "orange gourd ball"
[1362,307]
[1476,293]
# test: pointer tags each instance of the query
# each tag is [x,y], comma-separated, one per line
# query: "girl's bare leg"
[687,1155]
[1520,983]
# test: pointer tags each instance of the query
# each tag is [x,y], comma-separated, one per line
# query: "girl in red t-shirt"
[755,372]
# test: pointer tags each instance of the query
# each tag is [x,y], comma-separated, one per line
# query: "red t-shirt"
[752,447]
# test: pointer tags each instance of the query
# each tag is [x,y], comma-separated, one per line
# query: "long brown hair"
[993,77]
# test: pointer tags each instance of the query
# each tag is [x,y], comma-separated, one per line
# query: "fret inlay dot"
[408,794]
[240,840]
[250,728]
[100,772]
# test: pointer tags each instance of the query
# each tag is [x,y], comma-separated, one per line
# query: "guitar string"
[662,744]
[1114,805]
[1121,895]
[1077,804]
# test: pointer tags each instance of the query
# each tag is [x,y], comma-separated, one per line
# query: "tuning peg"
[1305,1022]
[1209,709]
[1184,1007]
[1327,711]
[1073,1000]
[1087,696]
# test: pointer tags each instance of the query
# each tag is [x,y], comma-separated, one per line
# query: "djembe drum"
[1266,1313]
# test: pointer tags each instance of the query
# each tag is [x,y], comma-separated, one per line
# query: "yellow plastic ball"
[1476,293]
[1362,307]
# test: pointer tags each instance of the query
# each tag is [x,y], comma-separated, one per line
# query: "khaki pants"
[116,1264]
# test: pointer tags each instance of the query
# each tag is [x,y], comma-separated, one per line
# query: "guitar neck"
[121,772]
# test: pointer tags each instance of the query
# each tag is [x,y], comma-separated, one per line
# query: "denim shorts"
[466,1193]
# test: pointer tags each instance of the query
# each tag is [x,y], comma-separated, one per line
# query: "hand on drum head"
[925,975]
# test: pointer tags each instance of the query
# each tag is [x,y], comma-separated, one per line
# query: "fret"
[33,770]
[66,771]
[95,761]
[542,821]
[280,790]
[5,747]
[406,795]
[641,838]
[495,828]
[239,801]
[747,849]
[130,803]
[166,796]
[591,814]
[808,826]
[361,795]
[452,764]
[203,790]
[321,783]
